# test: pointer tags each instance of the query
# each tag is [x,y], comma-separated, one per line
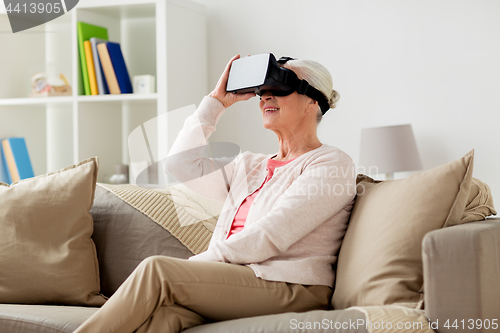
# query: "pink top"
[242,213]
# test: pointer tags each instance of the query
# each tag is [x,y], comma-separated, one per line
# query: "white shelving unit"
[163,38]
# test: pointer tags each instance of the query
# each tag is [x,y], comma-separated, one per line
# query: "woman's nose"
[266,95]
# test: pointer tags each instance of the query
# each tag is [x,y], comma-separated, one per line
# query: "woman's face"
[283,113]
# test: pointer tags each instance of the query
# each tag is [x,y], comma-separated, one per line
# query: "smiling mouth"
[270,110]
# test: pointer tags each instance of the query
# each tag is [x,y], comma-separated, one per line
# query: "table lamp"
[389,149]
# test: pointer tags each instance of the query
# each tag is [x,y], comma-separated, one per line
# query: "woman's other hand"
[226,98]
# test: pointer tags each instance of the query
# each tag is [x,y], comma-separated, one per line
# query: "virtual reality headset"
[261,73]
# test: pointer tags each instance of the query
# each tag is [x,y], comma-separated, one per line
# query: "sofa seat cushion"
[319,321]
[15,318]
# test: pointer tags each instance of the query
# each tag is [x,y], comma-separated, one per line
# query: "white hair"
[318,76]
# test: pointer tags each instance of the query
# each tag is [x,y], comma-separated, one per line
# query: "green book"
[85,32]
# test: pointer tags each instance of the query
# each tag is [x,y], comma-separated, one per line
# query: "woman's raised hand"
[226,98]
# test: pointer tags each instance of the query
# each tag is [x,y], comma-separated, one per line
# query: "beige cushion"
[46,253]
[380,261]
[479,204]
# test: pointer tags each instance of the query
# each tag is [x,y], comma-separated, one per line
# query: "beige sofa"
[448,275]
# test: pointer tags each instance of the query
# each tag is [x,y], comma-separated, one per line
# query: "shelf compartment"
[59,125]
[134,27]
[99,134]
[29,123]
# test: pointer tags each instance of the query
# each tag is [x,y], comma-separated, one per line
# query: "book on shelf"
[90,68]
[120,68]
[85,32]
[102,86]
[107,67]
[114,67]
[17,159]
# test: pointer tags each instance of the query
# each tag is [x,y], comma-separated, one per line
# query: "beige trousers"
[165,294]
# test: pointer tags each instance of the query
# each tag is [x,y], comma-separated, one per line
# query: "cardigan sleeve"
[296,213]
[186,162]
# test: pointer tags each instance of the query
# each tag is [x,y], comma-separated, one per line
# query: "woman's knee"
[159,262]
[151,263]
[153,259]
[160,269]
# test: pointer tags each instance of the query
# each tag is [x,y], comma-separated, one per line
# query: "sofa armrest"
[461,276]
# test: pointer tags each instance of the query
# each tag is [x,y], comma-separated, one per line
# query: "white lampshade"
[389,149]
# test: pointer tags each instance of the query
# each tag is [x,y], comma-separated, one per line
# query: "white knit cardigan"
[297,221]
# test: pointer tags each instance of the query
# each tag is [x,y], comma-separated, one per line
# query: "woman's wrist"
[214,95]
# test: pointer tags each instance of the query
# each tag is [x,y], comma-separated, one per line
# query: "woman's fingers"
[246,96]
[228,66]
[225,75]
[220,93]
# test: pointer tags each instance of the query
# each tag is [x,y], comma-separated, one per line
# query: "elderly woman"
[279,232]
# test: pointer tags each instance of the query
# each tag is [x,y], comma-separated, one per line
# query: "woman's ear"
[313,105]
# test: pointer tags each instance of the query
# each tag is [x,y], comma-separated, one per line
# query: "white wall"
[432,63]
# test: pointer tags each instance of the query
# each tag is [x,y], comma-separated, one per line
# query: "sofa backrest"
[124,237]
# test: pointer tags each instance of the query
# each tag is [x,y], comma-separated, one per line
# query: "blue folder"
[4,170]
[21,157]
[121,72]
